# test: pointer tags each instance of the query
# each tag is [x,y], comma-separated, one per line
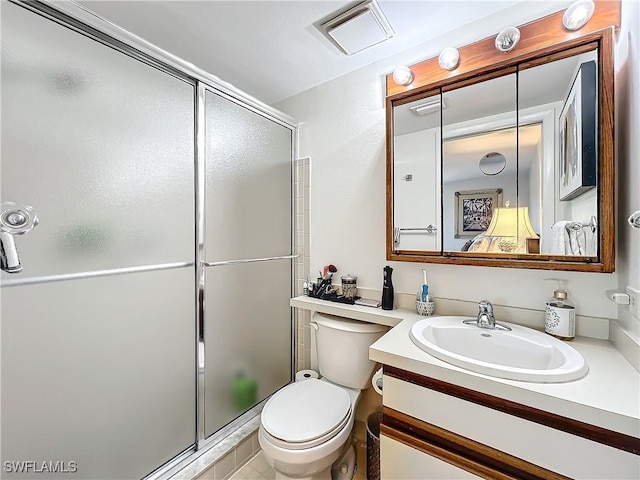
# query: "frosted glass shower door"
[248,216]
[98,331]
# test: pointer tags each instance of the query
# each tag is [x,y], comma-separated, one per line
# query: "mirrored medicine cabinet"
[508,162]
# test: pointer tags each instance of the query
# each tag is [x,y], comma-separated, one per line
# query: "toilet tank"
[343,349]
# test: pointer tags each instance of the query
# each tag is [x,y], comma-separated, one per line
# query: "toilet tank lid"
[346,324]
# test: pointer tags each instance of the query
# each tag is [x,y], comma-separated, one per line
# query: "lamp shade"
[511,222]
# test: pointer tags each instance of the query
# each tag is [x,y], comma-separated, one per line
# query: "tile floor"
[258,469]
[255,469]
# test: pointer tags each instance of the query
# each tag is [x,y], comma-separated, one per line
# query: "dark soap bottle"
[387,289]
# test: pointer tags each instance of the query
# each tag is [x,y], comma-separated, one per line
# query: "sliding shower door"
[98,330]
[247,318]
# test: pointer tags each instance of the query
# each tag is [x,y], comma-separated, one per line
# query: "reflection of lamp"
[514,225]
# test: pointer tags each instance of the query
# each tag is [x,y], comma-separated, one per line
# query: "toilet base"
[344,468]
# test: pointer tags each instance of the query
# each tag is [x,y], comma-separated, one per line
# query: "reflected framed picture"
[577,135]
[473,211]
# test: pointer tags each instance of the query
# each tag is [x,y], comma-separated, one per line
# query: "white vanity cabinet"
[400,461]
[428,422]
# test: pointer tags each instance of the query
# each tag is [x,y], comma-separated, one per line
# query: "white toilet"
[306,426]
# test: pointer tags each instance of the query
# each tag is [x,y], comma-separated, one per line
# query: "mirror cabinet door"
[416,175]
[479,166]
[508,160]
[558,150]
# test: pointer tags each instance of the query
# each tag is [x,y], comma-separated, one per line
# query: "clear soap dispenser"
[560,314]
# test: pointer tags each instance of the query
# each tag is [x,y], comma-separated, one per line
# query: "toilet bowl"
[306,426]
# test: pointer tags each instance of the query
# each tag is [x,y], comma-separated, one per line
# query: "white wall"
[343,131]
[417,202]
[628,144]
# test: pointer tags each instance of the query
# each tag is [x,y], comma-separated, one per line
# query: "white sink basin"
[520,354]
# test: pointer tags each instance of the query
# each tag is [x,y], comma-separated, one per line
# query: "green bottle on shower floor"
[245,392]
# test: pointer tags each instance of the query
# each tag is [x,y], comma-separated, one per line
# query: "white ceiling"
[273,49]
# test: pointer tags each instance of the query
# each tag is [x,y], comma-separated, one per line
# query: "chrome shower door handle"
[9,261]
[15,219]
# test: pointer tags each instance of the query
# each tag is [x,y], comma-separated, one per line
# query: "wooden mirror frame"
[541,41]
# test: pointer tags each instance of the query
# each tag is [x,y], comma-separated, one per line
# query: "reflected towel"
[577,241]
[592,243]
[559,238]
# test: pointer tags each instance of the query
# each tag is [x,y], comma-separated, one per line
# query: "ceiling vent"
[358,28]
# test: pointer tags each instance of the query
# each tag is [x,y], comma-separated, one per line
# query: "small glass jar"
[349,286]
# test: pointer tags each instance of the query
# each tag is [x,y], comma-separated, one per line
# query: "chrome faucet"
[485,315]
[485,318]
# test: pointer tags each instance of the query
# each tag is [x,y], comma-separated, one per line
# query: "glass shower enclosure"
[148,306]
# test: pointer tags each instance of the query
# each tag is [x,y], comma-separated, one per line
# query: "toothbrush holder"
[425,309]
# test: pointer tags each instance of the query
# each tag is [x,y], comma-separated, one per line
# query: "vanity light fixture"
[402,75]
[426,108]
[578,14]
[507,39]
[449,59]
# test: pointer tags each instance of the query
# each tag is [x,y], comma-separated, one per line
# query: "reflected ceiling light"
[402,75]
[578,14]
[507,39]
[492,163]
[428,107]
[449,58]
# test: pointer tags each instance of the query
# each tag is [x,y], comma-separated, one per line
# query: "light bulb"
[402,75]
[449,59]
[507,39]
[578,14]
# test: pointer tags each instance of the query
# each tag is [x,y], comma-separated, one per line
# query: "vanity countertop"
[607,396]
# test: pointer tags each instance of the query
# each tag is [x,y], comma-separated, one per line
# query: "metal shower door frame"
[81,20]
[202,264]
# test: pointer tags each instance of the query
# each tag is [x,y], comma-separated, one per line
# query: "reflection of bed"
[482,243]
[485,244]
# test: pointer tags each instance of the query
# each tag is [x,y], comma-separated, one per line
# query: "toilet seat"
[305,414]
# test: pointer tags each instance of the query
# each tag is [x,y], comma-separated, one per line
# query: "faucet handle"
[484,306]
